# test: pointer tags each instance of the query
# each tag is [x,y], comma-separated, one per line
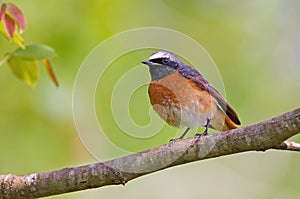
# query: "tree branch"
[286,145]
[270,134]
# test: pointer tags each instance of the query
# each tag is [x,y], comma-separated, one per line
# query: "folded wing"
[197,77]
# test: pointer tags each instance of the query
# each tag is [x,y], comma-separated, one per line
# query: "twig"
[286,145]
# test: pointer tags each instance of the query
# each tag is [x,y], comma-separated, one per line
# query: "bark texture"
[269,134]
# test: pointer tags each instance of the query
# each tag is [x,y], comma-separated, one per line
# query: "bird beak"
[147,62]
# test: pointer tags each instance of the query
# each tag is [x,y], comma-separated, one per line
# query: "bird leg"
[206,129]
[187,130]
[181,137]
[184,133]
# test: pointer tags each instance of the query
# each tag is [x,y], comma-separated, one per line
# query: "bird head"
[162,63]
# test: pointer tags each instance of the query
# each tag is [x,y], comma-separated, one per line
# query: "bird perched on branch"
[184,98]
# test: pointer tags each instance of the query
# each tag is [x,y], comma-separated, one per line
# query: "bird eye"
[165,60]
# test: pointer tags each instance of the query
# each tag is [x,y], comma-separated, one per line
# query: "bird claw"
[200,136]
[171,141]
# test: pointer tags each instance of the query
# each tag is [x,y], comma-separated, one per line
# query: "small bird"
[182,97]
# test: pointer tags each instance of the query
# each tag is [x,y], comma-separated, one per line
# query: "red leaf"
[50,71]
[17,15]
[2,10]
[9,25]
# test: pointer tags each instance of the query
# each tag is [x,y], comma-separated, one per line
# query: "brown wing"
[225,106]
[196,77]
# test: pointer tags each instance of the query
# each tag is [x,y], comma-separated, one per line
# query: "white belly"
[191,116]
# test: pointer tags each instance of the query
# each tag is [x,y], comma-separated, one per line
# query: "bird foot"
[172,141]
[200,136]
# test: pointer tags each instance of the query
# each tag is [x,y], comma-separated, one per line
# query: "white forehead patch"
[160,54]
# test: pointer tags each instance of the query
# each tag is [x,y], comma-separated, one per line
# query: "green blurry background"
[255,44]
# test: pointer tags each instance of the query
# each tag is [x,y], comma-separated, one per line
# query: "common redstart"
[182,97]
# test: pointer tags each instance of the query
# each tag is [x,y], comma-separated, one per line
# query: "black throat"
[158,72]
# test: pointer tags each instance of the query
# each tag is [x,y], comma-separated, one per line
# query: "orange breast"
[180,102]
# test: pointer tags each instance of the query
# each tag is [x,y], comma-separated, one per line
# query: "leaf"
[2,10]
[8,22]
[26,70]
[27,58]
[9,25]
[17,39]
[50,71]
[35,51]
[17,15]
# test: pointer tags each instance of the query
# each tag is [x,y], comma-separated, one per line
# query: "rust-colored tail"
[229,124]
[222,122]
